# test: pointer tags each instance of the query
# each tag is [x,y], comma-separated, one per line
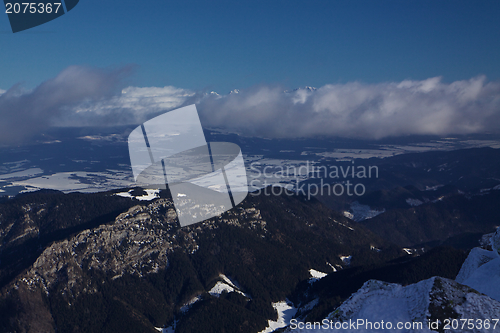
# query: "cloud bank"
[81,96]
[27,113]
[356,110]
[131,106]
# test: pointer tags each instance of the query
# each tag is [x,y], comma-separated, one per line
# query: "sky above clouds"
[224,45]
[382,68]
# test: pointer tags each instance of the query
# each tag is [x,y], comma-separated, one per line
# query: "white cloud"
[360,110]
[25,113]
[89,97]
[133,105]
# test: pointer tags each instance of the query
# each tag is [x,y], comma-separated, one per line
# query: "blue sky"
[222,45]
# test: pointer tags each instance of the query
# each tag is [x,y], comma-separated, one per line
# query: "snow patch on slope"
[169,329]
[316,275]
[333,267]
[219,288]
[346,214]
[226,285]
[413,202]
[150,195]
[189,304]
[346,259]
[409,251]
[286,311]
[361,212]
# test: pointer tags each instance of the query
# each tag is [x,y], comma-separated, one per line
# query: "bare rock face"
[133,263]
[136,243]
[23,226]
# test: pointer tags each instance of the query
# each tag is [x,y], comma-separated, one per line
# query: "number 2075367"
[32,8]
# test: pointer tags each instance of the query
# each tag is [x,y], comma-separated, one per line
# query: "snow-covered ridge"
[434,298]
[377,300]
[477,258]
[495,241]
[481,269]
